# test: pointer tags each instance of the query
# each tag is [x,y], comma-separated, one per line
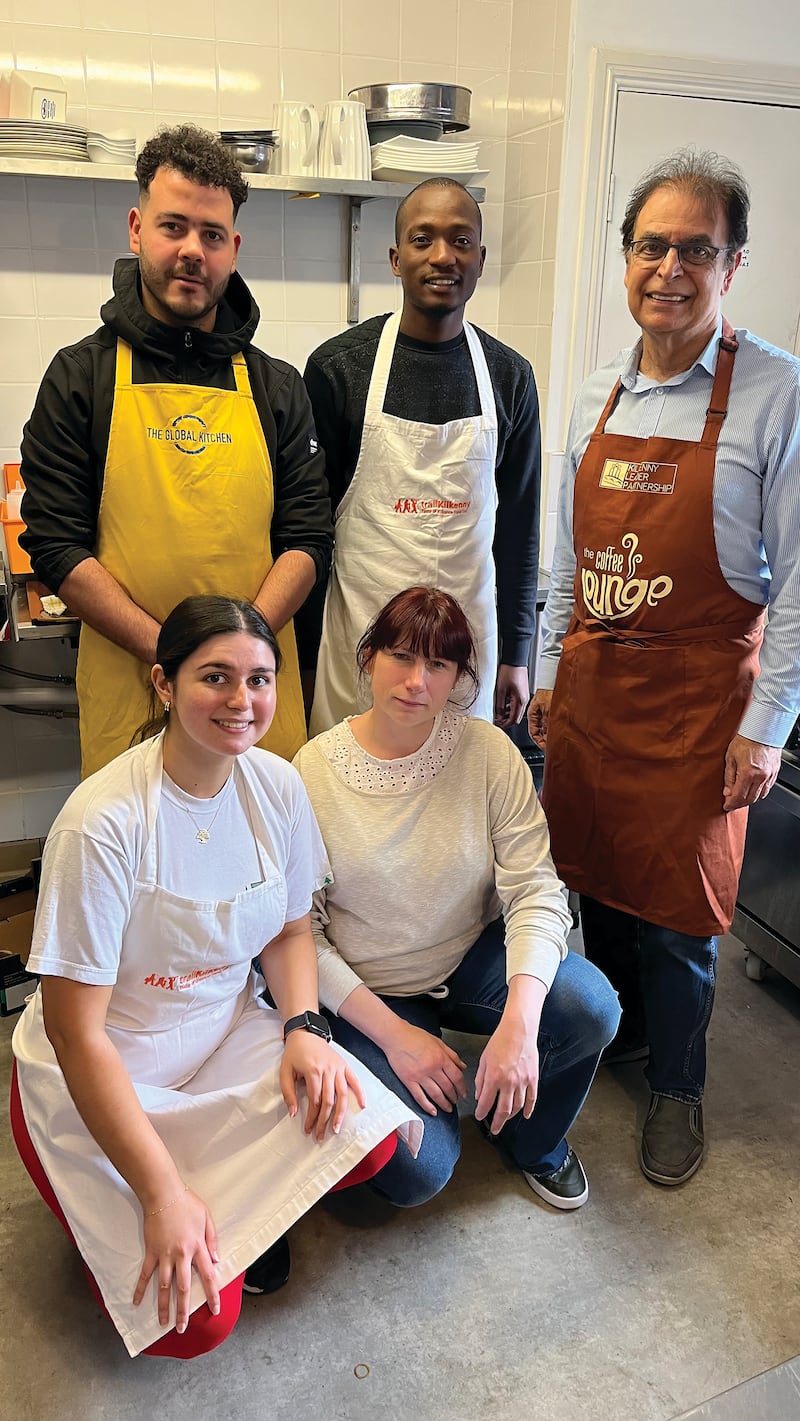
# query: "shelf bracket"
[354,261]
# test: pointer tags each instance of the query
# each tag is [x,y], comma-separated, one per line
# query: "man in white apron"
[431,433]
[167,456]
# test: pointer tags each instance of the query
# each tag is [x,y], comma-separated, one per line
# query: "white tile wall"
[534,136]
[220,64]
[135,68]
[361,36]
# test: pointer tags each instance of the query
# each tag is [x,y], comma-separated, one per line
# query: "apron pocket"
[629,701]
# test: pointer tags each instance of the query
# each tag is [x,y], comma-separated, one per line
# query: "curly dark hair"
[198,155]
[708,176]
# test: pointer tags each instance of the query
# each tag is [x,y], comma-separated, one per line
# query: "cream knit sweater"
[423,863]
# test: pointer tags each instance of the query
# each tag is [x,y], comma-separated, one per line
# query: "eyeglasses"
[651,251]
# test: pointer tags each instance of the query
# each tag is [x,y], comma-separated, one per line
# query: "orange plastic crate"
[11,477]
[17,558]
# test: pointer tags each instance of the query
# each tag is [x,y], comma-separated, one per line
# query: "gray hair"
[706,175]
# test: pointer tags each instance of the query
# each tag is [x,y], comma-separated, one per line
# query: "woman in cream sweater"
[445,912]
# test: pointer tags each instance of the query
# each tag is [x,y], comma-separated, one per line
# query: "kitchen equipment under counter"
[767,918]
[16,615]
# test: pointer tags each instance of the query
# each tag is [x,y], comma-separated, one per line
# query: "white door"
[764,141]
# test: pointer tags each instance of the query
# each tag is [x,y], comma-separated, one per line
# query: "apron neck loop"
[718,405]
[240,374]
[124,367]
[609,408]
[728,339]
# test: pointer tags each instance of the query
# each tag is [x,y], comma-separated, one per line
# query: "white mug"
[298,134]
[344,143]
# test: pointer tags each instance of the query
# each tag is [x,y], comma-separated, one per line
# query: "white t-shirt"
[95,847]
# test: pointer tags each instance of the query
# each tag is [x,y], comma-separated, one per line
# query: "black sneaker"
[673,1140]
[566,1188]
[269,1272]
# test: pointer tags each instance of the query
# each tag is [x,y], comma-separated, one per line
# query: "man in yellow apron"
[167,456]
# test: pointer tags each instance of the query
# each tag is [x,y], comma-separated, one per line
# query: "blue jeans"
[580,1016]
[666,984]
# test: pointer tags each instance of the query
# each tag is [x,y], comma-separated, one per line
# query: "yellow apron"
[186,507]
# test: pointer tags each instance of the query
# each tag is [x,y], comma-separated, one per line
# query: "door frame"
[580,268]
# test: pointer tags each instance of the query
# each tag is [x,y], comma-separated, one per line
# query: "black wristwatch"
[308,1021]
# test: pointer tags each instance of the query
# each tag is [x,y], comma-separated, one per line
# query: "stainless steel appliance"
[767,918]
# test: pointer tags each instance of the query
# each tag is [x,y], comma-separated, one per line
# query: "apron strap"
[680,636]
[124,368]
[717,409]
[482,376]
[240,374]
[718,406]
[376,394]
[600,427]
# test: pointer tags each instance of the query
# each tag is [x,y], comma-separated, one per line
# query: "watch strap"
[308,1021]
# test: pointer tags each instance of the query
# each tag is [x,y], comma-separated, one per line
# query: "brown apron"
[656,671]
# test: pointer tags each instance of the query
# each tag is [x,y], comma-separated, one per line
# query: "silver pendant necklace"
[202,831]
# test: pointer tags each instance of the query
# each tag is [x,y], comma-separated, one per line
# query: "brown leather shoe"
[673,1142]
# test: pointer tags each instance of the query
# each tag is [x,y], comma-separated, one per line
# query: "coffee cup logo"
[612,591]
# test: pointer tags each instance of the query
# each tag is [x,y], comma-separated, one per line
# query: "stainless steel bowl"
[253,150]
[447,104]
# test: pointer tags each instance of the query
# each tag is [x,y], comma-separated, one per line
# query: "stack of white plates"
[116,147]
[407,160]
[30,138]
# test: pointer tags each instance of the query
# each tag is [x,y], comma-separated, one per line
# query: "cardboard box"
[16,985]
[17,856]
[16,933]
[17,897]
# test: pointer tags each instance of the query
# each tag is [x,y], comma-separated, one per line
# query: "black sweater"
[435,384]
[65,441]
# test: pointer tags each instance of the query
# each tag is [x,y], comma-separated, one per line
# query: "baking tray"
[35,591]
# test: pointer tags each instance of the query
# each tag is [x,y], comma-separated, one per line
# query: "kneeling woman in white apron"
[159,1109]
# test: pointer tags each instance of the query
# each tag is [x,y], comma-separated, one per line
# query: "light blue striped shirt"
[756,499]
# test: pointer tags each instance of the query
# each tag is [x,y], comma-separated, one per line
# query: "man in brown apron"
[167,456]
[681,469]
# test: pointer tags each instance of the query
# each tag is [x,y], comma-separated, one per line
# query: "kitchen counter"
[16,619]
[22,628]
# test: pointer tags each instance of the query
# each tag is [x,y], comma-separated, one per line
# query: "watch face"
[318,1025]
[309,1021]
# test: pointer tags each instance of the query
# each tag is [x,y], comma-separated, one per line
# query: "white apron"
[204,1054]
[420,510]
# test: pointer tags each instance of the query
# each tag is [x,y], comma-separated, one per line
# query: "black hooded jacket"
[65,441]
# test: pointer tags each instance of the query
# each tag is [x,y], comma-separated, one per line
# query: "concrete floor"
[484,1305]
[773,1396]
